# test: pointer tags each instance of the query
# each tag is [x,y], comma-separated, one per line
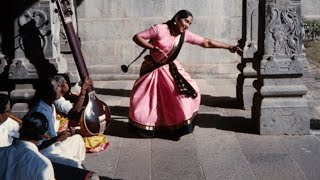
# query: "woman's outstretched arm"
[209,43]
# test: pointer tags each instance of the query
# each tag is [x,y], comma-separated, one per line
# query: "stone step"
[22,93]
[19,109]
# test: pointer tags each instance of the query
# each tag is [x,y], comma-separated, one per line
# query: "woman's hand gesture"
[234,49]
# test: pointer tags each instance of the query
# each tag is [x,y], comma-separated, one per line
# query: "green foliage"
[312,29]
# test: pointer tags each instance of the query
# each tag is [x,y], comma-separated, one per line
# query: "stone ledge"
[289,90]
[19,109]
[22,94]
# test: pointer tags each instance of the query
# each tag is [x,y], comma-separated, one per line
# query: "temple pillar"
[279,104]
[37,51]
[37,48]
[248,75]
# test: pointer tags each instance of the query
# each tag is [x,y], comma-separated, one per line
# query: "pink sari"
[155,102]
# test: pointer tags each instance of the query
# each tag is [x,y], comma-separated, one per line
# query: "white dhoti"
[69,152]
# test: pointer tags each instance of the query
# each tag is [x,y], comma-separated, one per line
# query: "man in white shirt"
[9,128]
[22,160]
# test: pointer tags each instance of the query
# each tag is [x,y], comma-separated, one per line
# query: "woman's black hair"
[34,126]
[4,99]
[180,15]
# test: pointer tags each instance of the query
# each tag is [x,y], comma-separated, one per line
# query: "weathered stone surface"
[220,146]
[22,69]
[22,94]
[38,23]
[284,116]
[245,89]
[179,162]
[3,63]
[106,29]
[310,8]
[221,155]
[289,90]
[245,92]
[305,150]
[20,109]
[105,163]
[134,159]
[279,105]
[274,166]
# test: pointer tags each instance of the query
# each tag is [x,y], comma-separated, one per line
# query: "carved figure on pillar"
[37,41]
[279,105]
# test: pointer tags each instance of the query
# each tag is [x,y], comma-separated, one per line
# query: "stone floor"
[224,144]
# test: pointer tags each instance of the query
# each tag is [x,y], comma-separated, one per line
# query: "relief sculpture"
[285,31]
[32,27]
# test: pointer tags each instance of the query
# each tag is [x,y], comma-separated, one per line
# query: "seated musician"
[63,147]
[9,127]
[67,110]
[9,130]
[22,160]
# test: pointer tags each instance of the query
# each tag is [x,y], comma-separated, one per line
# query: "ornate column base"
[284,116]
[282,109]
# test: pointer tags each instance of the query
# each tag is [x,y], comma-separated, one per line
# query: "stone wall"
[310,9]
[106,29]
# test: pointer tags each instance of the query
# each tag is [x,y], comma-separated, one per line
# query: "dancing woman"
[165,96]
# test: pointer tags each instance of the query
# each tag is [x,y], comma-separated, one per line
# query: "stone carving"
[283,65]
[270,66]
[283,39]
[3,63]
[32,25]
[249,50]
[37,41]
[285,30]
[279,105]
[296,65]
[20,70]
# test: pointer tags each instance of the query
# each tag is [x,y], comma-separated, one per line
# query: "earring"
[174,23]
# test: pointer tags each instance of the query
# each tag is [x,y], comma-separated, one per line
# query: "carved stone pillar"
[37,51]
[245,89]
[3,62]
[37,46]
[279,105]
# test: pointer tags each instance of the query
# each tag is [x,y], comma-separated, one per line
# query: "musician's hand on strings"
[72,130]
[63,135]
[85,85]
[87,82]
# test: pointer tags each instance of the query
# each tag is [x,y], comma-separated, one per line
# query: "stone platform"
[224,145]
